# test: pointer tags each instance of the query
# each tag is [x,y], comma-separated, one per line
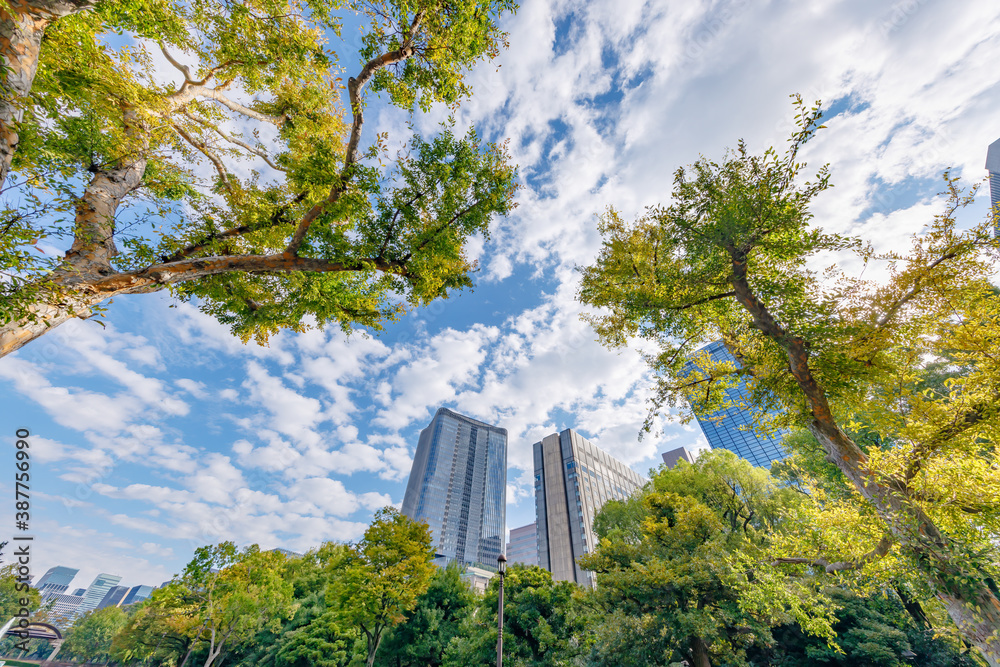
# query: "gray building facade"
[680,454]
[732,427]
[573,479]
[458,485]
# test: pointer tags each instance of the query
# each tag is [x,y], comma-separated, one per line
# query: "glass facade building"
[523,545]
[56,581]
[993,167]
[137,594]
[458,485]
[732,427]
[573,479]
[96,591]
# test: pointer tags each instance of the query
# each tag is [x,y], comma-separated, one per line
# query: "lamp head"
[501,564]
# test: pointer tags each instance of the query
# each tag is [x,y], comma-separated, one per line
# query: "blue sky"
[161,432]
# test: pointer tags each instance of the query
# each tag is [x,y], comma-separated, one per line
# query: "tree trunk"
[971,604]
[699,653]
[373,641]
[44,318]
[21,31]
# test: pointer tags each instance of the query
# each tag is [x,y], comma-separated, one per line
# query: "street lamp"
[501,570]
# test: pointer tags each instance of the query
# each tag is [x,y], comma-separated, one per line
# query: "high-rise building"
[993,167]
[458,485]
[523,545]
[136,594]
[674,455]
[114,597]
[56,580]
[732,427]
[573,479]
[79,592]
[96,592]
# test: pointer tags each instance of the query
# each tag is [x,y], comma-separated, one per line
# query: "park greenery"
[688,570]
[140,177]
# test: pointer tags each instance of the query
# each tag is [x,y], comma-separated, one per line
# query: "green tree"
[421,640]
[383,576]
[698,583]
[91,635]
[543,624]
[15,595]
[871,630]
[103,156]
[314,634]
[160,628]
[236,593]
[730,258]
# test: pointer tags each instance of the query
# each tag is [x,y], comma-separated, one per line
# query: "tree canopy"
[733,256]
[107,160]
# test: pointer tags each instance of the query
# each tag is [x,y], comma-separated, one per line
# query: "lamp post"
[501,570]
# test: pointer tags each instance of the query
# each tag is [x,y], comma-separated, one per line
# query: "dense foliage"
[135,175]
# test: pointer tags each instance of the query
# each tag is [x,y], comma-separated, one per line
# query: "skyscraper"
[136,594]
[56,580]
[114,597]
[523,545]
[96,592]
[458,485]
[732,427]
[573,479]
[993,167]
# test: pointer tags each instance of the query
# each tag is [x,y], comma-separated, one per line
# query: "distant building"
[79,592]
[732,427]
[477,578]
[523,545]
[63,608]
[96,592]
[136,594]
[114,597]
[573,479]
[674,455]
[56,580]
[458,485]
[993,167]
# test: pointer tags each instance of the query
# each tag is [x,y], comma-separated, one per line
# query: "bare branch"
[207,152]
[183,69]
[236,142]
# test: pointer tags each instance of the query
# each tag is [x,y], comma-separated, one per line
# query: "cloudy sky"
[161,432]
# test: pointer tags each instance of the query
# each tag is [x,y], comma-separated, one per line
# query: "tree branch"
[202,147]
[236,142]
[354,87]
[879,551]
[155,277]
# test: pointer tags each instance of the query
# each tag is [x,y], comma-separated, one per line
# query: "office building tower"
[96,592]
[114,597]
[523,545]
[573,479]
[993,167]
[56,580]
[458,485]
[732,427]
[79,592]
[136,594]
